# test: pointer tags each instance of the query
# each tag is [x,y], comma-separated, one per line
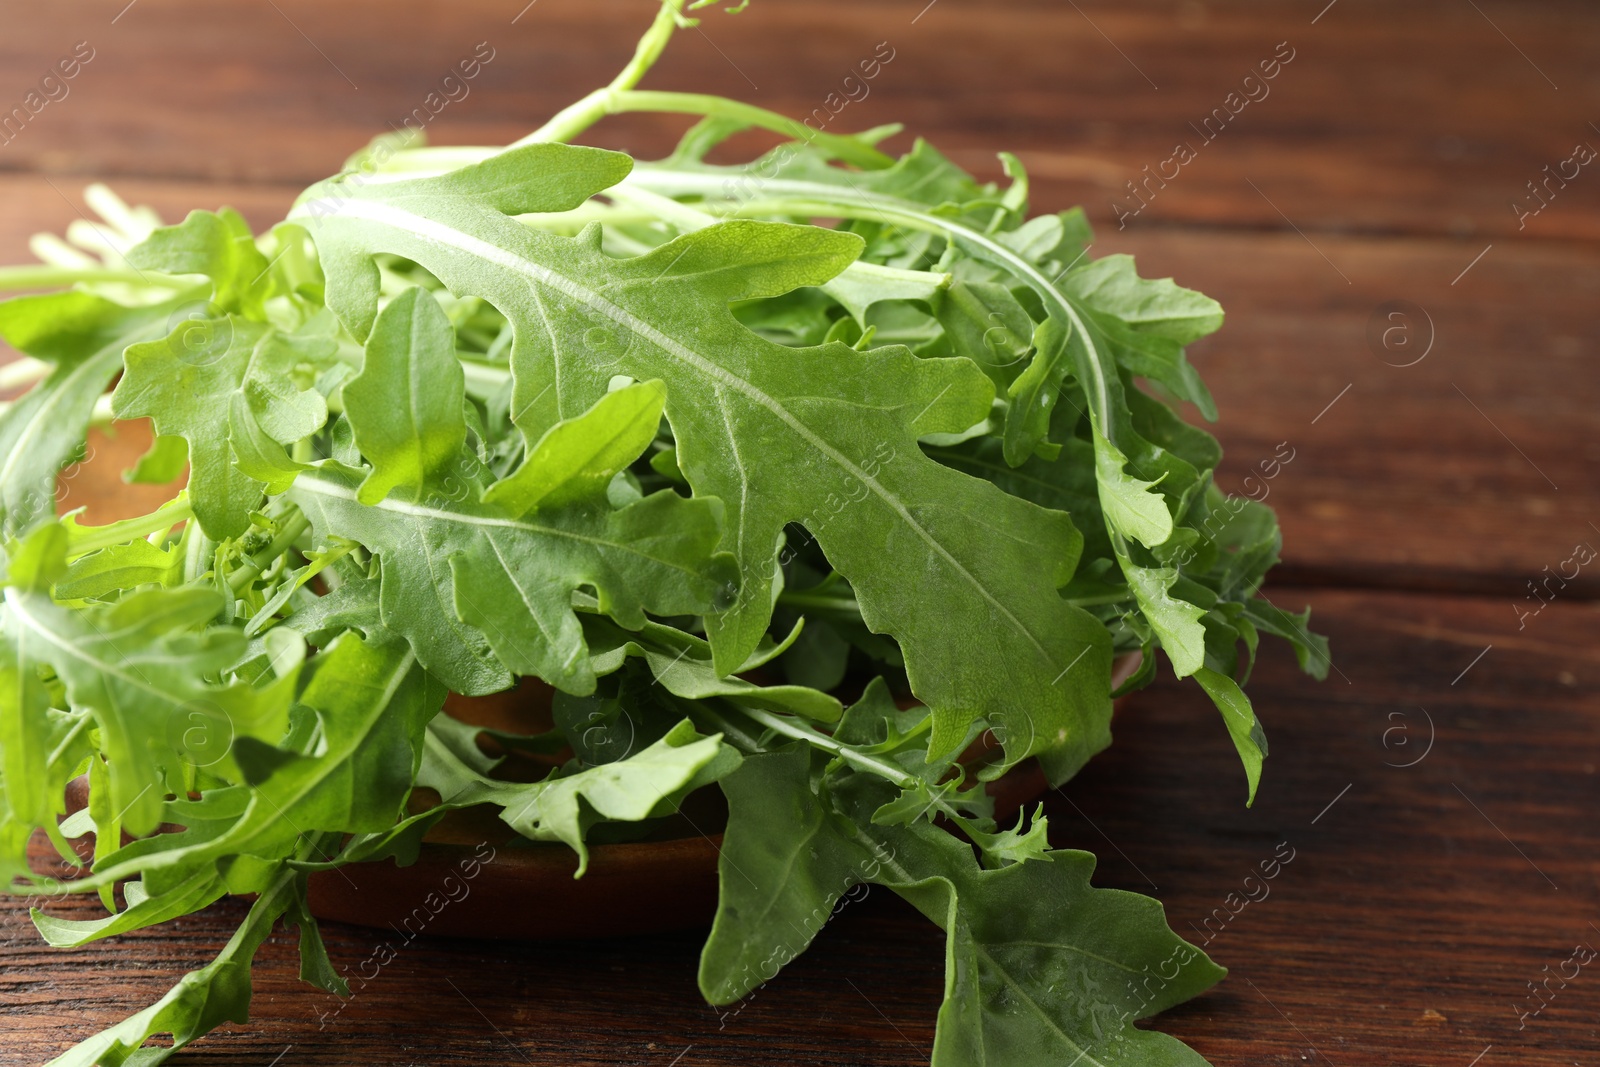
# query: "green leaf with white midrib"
[325,486]
[372,702]
[199,887]
[136,678]
[682,664]
[1095,369]
[818,419]
[1132,506]
[448,565]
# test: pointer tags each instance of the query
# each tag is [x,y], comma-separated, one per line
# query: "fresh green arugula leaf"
[1015,845]
[83,336]
[577,458]
[187,384]
[851,468]
[683,664]
[202,1000]
[1040,966]
[119,567]
[447,566]
[1248,737]
[405,406]
[140,667]
[218,245]
[648,783]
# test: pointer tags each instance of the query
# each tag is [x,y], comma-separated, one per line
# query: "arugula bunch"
[651,433]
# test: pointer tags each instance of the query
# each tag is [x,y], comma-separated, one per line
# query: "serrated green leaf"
[1157,306]
[577,458]
[836,428]
[1015,845]
[448,566]
[198,889]
[202,1000]
[218,245]
[140,668]
[785,862]
[647,783]
[1128,503]
[370,703]
[1310,650]
[186,385]
[405,405]
[1038,962]
[1175,620]
[44,430]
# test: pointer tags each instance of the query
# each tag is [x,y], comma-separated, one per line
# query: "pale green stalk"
[43,276]
[81,540]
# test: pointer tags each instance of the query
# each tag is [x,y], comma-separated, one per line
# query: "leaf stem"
[81,540]
[575,118]
[850,605]
[45,276]
[782,724]
[23,372]
[613,102]
[620,96]
[846,604]
[288,533]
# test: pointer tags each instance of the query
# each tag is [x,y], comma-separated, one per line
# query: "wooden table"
[1439,791]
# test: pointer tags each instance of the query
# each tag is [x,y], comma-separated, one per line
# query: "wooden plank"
[1473,467]
[1423,118]
[1402,898]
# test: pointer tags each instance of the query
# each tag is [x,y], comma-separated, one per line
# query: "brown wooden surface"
[1419,905]
[1401,899]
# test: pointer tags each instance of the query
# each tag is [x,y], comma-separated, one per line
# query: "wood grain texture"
[1414,118]
[1472,469]
[1402,898]
[1422,902]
